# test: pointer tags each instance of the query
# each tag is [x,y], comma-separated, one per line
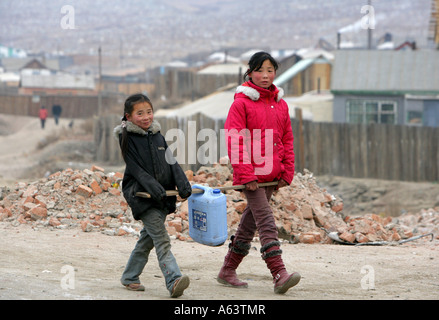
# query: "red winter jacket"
[43,114]
[259,135]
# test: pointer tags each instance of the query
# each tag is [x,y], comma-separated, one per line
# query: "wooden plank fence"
[377,151]
[72,106]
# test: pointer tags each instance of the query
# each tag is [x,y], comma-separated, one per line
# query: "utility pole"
[100,82]
[121,53]
[369,31]
[299,117]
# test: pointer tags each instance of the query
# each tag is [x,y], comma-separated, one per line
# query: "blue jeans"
[153,234]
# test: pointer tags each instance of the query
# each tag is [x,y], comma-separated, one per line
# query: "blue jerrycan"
[208,216]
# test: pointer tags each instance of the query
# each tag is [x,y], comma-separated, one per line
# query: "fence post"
[299,117]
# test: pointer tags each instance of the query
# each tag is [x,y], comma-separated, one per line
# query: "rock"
[361,238]
[96,168]
[38,213]
[347,236]
[84,191]
[189,175]
[3,214]
[54,222]
[176,224]
[86,226]
[94,185]
[307,212]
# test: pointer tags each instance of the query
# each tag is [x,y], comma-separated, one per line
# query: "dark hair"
[130,102]
[257,60]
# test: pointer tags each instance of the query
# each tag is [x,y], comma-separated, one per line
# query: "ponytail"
[124,139]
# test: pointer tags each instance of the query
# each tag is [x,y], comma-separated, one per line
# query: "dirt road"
[68,264]
[25,146]
[71,264]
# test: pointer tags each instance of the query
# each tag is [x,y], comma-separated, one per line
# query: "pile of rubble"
[89,199]
[304,212]
[307,213]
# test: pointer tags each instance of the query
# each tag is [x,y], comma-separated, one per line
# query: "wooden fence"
[378,151]
[375,151]
[72,106]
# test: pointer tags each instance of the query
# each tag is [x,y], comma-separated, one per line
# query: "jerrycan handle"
[197,188]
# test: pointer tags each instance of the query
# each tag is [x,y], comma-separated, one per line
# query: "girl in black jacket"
[151,168]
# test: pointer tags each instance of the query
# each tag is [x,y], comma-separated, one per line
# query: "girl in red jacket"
[260,146]
[43,116]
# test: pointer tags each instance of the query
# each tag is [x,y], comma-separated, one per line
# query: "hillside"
[160,31]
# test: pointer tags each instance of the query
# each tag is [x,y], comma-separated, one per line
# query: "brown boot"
[283,281]
[179,286]
[227,275]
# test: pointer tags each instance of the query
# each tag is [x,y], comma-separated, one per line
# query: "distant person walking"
[43,116]
[56,111]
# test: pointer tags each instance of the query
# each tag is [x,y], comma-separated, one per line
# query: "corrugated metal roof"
[291,72]
[15,64]
[386,71]
[215,106]
[297,68]
[58,81]
[224,68]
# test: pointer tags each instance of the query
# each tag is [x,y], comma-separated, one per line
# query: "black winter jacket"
[148,169]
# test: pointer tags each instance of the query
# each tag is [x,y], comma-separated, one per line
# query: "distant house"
[9,52]
[126,82]
[37,79]
[233,69]
[17,64]
[317,106]
[8,80]
[393,87]
[308,74]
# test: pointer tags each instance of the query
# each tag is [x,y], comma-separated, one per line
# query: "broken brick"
[38,213]
[94,185]
[84,191]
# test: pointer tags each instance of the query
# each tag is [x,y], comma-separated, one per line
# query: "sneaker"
[179,286]
[135,287]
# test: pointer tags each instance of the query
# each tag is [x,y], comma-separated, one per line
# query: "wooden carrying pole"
[196,190]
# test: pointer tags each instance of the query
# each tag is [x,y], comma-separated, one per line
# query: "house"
[126,81]
[392,87]
[316,105]
[8,79]
[312,71]
[9,52]
[17,64]
[37,79]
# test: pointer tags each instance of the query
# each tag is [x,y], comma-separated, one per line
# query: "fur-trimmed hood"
[254,93]
[131,127]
